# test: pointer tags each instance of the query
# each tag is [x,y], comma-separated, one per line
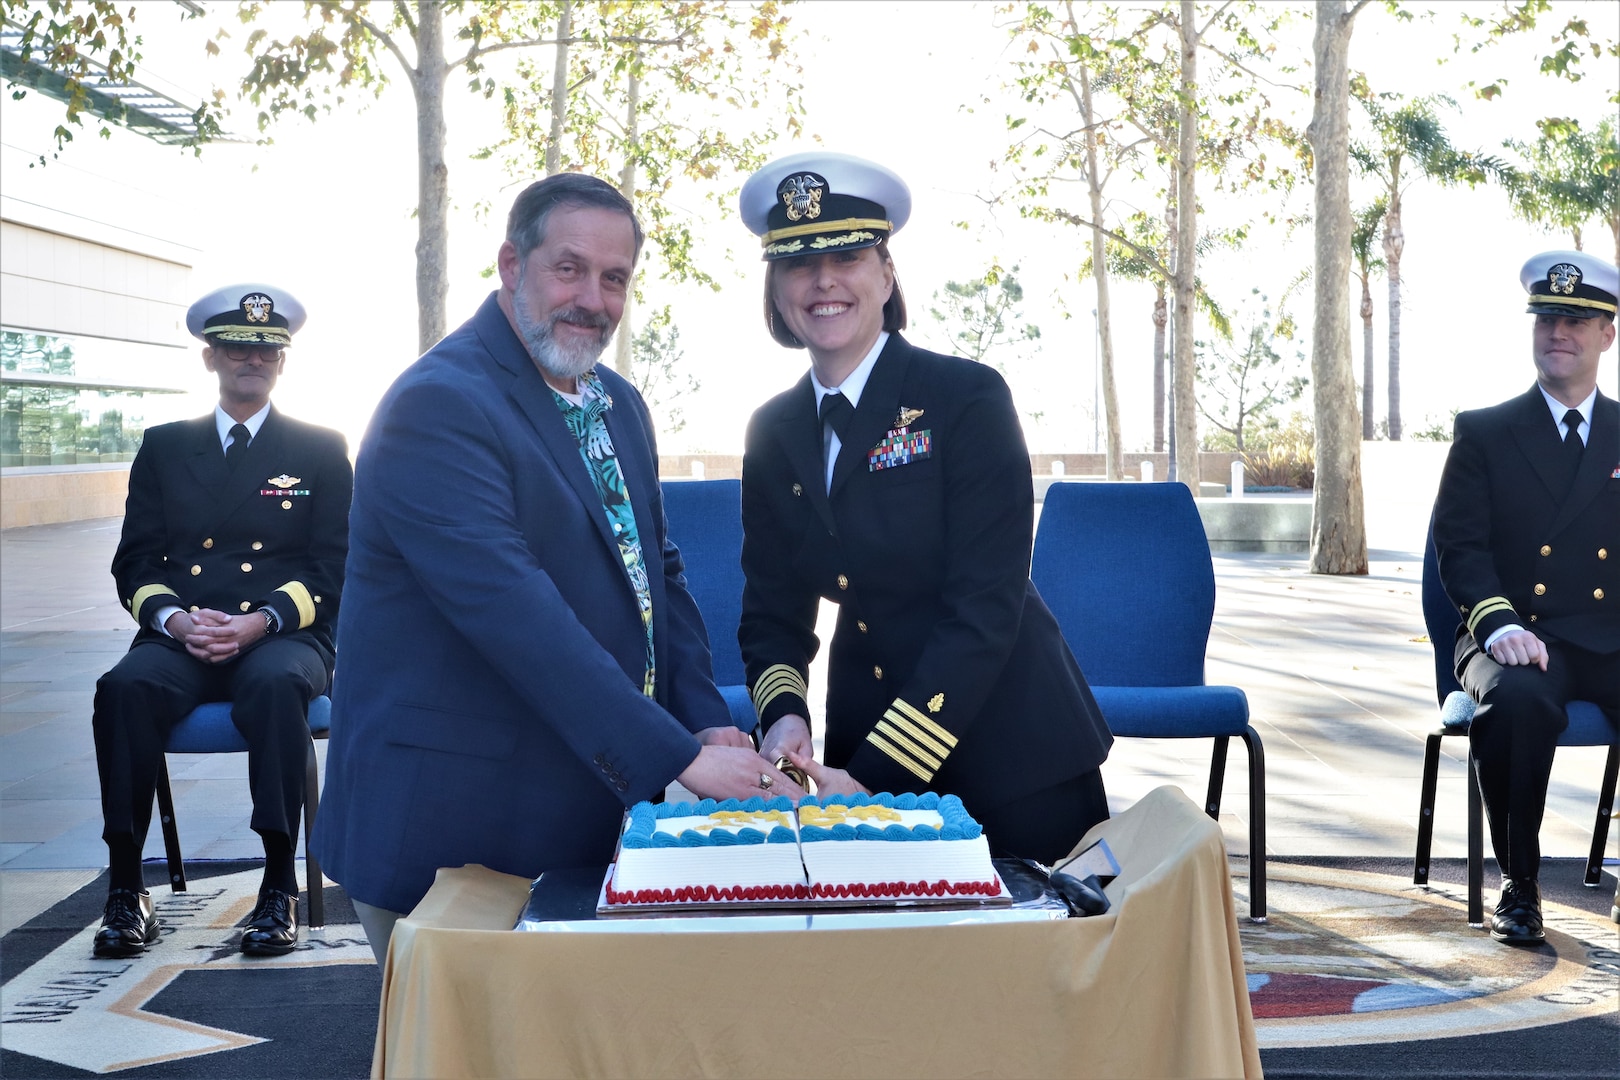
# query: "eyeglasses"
[268,354]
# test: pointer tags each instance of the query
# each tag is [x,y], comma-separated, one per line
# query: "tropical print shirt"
[588,423]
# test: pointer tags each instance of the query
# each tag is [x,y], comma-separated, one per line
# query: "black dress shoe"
[1517,920]
[127,924]
[272,929]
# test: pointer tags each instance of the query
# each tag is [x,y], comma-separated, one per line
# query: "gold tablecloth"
[1154,988]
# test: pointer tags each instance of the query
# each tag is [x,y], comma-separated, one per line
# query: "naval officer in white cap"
[895,482]
[231,564]
[1527,529]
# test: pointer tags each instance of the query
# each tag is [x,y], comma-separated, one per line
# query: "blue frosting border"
[642,832]
[955,822]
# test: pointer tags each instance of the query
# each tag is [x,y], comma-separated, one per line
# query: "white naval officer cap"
[817,201]
[1570,283]
[253,314]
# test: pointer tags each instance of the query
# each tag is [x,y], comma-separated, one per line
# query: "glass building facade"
[84,401]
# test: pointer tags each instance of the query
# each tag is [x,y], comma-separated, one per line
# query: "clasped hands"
[214,636]
[727,766]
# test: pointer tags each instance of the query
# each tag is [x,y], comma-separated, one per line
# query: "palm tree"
[1409,142]
[1572,176]
[1363,232]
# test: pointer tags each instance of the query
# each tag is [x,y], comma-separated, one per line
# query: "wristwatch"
[269,621]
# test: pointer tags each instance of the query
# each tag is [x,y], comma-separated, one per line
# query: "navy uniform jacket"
[1513,547]
[489,708]
[946,672]
[273,534]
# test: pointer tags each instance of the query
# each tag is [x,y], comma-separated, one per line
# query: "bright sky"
[327,212]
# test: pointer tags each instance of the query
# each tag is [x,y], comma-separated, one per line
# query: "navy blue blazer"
[489,705]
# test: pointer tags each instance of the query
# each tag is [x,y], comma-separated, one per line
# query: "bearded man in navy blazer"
[1527,529]
[231,562]
[521,660]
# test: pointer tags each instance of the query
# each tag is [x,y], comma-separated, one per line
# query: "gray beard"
[552,357]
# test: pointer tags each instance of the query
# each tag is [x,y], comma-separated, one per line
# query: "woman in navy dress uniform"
[895,482]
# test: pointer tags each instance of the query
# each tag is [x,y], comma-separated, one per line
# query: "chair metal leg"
[1217,778]
[1600,830]
[1425,834]
[1257,825]
[1476,848]
[171,832]
[312,868]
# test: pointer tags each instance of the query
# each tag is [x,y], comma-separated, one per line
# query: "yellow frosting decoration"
[739,819]
[837,814]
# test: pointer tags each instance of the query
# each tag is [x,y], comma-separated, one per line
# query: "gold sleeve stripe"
[777,680]
[302,601]
[145,593]
[1486,607]
[876,740]
[899,738]
[912,731]
[908,710]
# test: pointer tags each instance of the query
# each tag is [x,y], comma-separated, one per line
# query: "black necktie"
[1572,438]
[836,413]
[235,452]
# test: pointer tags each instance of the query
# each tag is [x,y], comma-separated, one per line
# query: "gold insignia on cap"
[256,307]
[936,703]
[801,194]
[1563,277]
[906,416]
[284,481]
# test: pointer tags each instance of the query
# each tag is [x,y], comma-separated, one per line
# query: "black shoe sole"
[123,950]
[1518,939]
[261,948]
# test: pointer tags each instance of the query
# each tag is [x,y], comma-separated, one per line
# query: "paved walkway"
[1337,670]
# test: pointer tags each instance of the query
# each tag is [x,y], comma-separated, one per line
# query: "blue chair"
[1126,570]
[705,521]
[1588,726]
[207,729]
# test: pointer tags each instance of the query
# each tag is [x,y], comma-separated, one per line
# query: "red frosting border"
[697,894]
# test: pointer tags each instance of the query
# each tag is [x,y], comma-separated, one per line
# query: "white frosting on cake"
[722,866]
[872,862]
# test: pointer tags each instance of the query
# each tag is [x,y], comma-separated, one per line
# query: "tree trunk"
[1161,314]
[1186,418]
[1338,530]
[559,88]
[1394,244]
[1113,454]
[433,178]
[623,357]
[1366,357]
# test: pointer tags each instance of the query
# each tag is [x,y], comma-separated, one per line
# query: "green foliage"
[1571,175]
[1285,458]
[1247,378]
[1435,429]
[656,357]
[1410,135]
[663,88]
[981,316]
[1572,46]
[84,46]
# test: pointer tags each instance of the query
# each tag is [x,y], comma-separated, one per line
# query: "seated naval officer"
[231,562]
[1527,528]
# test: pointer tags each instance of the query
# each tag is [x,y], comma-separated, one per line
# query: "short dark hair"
[894,308]
[526,224]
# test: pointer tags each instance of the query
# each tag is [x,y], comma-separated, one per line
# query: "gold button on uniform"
[1541,590]
[1533,618]
[798,489]
[247,568]
[317,599]
[1597,594]
[843,582]
[195,570]
[877,673]
[258,545]
[1603,553]
[860,625]
[246,605]
[194,607]
[286,504]
[1546,550]
[208,543]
